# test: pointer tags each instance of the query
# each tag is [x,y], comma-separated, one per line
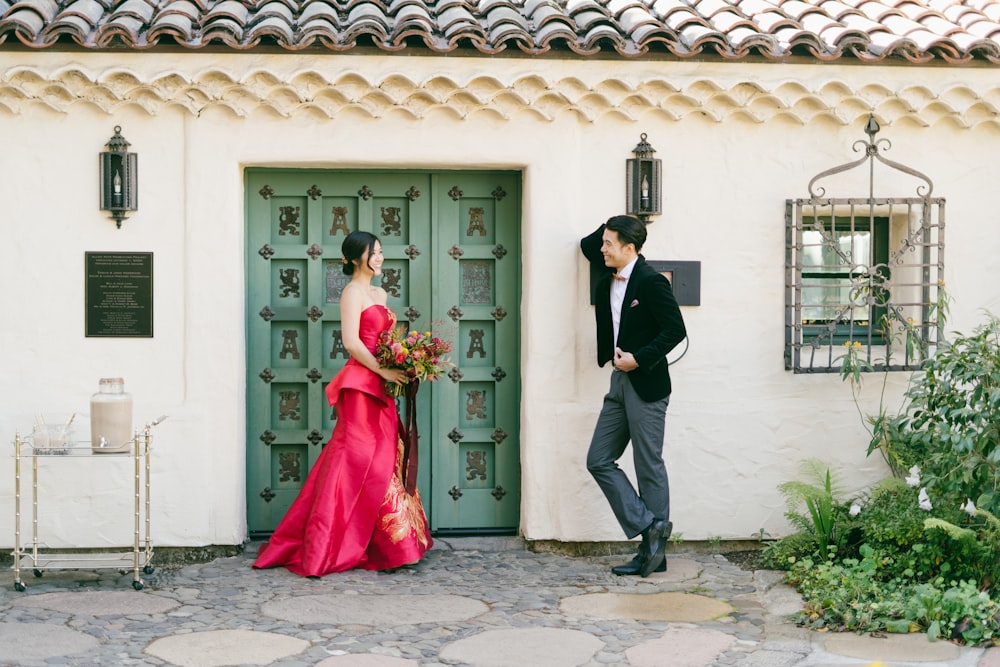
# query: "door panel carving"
[443,273]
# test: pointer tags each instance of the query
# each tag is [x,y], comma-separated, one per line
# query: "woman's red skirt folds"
[353,511]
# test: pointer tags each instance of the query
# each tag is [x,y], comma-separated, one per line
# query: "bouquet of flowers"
[420,354]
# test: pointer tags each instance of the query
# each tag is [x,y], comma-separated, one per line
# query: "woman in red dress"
[353,511]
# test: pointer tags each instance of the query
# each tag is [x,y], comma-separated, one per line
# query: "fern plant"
[979,543]
[811,505]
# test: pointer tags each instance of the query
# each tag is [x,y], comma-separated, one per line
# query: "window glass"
[864,274]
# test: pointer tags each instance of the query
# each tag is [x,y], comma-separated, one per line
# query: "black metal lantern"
[643,182]
[119,178]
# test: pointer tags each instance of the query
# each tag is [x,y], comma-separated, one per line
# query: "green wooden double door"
[452,264]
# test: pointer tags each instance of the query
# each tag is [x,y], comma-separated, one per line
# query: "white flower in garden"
[968,507]
[914,478]
[855,509]
[924,500]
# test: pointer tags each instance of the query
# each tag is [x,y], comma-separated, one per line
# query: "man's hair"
[629,230]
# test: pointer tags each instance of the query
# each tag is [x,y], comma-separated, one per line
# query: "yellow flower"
[857,345]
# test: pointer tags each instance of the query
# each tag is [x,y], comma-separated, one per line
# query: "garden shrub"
[920,554]
[950,424]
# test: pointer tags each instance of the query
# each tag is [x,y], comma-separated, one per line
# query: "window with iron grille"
[863,273]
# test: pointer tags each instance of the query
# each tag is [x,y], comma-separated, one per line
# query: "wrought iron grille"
[863,275]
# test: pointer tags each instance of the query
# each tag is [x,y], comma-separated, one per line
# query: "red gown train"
[353,511]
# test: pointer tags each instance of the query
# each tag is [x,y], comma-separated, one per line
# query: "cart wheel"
[137,585]
[37,573]
[19,587]
[148,569]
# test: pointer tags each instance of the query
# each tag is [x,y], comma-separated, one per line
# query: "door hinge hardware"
[266,192]
[412,251]
[266,251]
[314,251]
[455,435]
[498,492]
[499,435]
[455,252]
[267,375]
[267,494]
[314,374]
[412,314]
[455,493]
[499,193]
[455,374]
[314,313]
[314,192]
[365,192]
[498,374]
[267,437]
[455,313]
[498,313]
[315,437]
[455,193]
[267,313]
[499,251]
[412,193]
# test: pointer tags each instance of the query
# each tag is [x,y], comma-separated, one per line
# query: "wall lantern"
[119,178]
[643,182]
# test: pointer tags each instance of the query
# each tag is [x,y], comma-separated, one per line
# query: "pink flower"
[418,354]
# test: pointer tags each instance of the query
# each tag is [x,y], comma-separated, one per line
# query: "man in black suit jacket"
[638,323]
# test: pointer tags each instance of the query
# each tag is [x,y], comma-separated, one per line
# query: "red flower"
[418,354]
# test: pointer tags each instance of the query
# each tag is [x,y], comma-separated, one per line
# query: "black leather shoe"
[654,541]
[632,567]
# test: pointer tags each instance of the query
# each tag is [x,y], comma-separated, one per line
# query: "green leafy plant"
[914,341]
[914,553]
[950,425]
[782,554]
[977,544]
[816,497]
[955,610]
[849,594]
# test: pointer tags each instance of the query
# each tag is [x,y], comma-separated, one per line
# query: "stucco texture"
[736,141]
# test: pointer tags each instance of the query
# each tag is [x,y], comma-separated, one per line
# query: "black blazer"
[651,322]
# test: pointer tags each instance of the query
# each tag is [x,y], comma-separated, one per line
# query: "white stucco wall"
[736,141]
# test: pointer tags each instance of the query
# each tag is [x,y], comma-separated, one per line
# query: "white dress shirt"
[618,295]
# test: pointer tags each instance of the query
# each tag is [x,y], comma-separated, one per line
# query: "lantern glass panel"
[643,186]
[119,181]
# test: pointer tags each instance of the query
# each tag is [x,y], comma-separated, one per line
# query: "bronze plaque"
[119,298]
[335,280]
[477,282]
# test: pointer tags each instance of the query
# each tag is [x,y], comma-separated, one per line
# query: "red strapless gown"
[353,511]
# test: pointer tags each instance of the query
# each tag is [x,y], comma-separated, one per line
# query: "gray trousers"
[625,416]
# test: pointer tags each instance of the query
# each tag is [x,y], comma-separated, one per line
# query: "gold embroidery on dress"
[404,513]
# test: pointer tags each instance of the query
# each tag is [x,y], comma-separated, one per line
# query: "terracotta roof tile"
[985,29]
[908,30]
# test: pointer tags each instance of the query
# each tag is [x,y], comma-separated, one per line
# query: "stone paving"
[470,603]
